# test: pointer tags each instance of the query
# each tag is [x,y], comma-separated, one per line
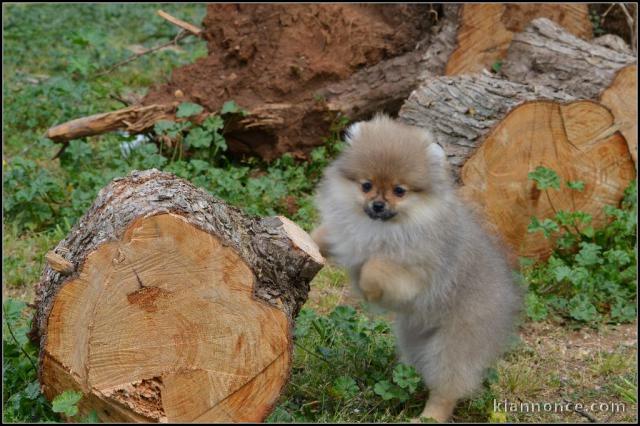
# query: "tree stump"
[165,304]
[486,30]
[495,132]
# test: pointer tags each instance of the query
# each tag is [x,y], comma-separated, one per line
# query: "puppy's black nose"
[378,206]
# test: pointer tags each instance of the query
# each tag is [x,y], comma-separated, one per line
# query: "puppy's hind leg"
[449,375]
[438,408]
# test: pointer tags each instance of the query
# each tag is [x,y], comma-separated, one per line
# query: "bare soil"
[283,54]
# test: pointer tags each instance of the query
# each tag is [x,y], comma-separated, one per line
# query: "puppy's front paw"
[319,236]
[371,280]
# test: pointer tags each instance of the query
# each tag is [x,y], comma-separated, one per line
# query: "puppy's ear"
[352,132]
[436,153]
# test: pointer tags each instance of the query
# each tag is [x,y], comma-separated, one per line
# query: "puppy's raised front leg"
[319,236]
[388,283]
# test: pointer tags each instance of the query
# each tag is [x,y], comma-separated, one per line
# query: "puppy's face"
[382,197]
[390,170]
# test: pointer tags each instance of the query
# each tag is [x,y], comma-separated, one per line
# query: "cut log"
[485,30]
[621,97]
[604,69]
[578,140]
[495,132]
[460,110]
[545,54]
[177,308]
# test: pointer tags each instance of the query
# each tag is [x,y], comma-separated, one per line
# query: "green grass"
[345,367]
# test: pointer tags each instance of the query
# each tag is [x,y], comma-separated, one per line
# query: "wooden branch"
[132,58]
[180,23]
[546,55]
[133,119]
[388,83]
[460,110]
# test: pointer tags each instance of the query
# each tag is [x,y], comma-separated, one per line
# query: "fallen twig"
[583,413]
[133,119]
[120,99]
[631,22]
[187,30]
[175,40]
[180,23]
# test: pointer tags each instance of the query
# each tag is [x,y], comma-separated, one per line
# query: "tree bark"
[171,305]
[496,132]
[486,30]
[545,54]
[460,110]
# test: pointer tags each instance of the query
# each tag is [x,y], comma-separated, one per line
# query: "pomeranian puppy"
[390,216]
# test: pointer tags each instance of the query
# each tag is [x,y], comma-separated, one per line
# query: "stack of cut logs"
[165,304]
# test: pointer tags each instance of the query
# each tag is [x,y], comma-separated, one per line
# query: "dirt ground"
[281,54]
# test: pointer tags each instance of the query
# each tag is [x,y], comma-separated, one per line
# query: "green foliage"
[22,400]
[188,109]
[230,107]
[67,403]
[545,178]
[596,22]
[365,382]
[48,84]
[345,370]
[591,276]
[497,66]
[405,383]
[577,185]
[626,389]
[33,194]
[547,226]
[37,198]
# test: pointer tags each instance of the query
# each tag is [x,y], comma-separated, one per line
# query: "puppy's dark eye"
[399,191]
[366,186]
